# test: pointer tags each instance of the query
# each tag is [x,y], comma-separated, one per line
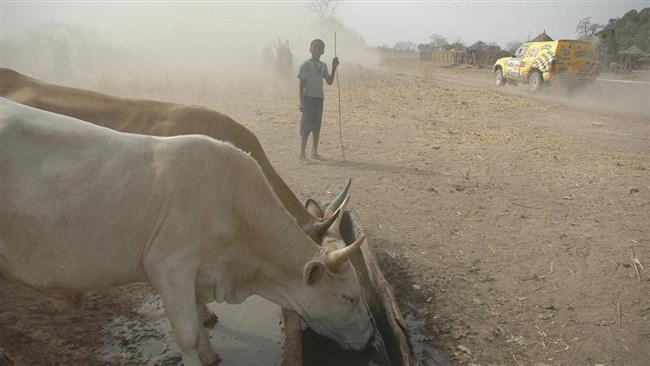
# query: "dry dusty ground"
[506,223]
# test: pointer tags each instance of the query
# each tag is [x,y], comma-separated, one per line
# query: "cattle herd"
[99,191]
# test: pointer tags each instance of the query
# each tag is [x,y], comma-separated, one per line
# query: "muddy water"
[246,334]
[321,351]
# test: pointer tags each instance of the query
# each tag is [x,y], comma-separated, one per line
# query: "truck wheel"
[535,81]
[499,80]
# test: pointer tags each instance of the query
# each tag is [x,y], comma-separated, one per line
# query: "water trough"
[304,347]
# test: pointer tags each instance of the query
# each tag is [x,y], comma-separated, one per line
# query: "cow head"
[332,302]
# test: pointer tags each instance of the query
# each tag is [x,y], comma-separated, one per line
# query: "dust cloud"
[133,49]
[609,93]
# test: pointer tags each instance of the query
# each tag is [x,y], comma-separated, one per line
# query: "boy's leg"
[318,118]
[303,145]
[304,130]
[314,151]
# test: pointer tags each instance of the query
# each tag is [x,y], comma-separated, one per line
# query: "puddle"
[424,353]
[321,351]
[246,334]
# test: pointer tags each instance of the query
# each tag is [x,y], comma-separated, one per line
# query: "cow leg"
[207,355]
[205,295]
[207,316]
[209,320]
[178,295]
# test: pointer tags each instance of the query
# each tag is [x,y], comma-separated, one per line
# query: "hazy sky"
[379,22]
[388,22]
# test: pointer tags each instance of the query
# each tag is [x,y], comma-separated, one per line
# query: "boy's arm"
[301,87]
[335,64]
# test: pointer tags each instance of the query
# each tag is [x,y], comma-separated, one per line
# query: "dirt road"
[506,223]
[591,106]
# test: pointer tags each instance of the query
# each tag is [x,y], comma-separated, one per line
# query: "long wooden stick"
[339,90]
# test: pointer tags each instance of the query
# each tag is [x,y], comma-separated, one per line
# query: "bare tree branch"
[586,28]
[324,9]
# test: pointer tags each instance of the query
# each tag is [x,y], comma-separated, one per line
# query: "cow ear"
[314,208]
[313,272]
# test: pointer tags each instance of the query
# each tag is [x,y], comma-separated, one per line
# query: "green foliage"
[633,28]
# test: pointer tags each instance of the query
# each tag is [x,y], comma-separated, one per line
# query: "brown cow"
[159,119]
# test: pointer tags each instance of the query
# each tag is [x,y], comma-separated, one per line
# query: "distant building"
[542,37]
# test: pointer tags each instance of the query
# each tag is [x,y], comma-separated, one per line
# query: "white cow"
[84,207]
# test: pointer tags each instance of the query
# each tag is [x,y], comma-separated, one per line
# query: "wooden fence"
[467,57]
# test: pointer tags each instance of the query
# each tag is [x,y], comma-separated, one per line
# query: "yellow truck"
[570,62]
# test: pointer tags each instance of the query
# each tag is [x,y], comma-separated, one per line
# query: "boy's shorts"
[312,115]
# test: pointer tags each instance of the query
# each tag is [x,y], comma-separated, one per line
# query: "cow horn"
[331,208]
[322,227]
[336,258]
[337,223]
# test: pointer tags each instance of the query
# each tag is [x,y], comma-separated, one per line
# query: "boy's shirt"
[313,73]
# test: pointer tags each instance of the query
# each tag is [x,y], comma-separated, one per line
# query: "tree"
[425,47]
[633,28]
[324,9]
[493,46]
[513,46]
[458,45]
[404,46]
[586,29]
[438,41]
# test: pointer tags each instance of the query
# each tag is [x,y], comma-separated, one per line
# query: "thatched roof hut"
[632,56]
[477,46]
[632,51]
[542,37]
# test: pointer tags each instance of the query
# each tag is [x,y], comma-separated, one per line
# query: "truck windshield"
[520,51]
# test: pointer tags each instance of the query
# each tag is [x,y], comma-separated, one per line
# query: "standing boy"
[311,75]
